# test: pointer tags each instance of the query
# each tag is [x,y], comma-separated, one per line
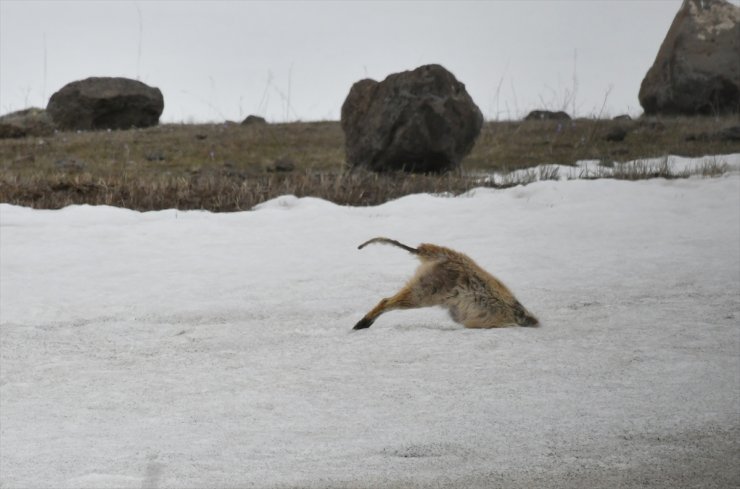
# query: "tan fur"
[446,278]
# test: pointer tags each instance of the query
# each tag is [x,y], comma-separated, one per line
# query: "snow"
[188,349]
[586,169]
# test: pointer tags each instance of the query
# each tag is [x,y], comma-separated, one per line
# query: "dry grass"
[224,192]
[178,150]
[520,144]
[226,167]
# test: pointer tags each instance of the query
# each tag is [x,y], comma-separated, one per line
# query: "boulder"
[254,120]
[106,103]
[547,115]
[616,134]
[28,122]
[697,69]
[419,121]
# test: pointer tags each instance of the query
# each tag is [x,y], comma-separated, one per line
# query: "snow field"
[191,349]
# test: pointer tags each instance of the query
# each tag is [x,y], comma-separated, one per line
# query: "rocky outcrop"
[106,103]
[252,120]
[419,121]
[697,69]
[547,115]
[28,122]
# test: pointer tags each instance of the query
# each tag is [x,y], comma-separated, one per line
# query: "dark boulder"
[106,103]
[616,134]
[420,121]
[254,120]
[547,115]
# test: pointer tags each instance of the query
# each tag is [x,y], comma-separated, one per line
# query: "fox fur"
[447,278]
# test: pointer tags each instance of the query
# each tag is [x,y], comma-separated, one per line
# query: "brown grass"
[224,192]
[520,144]
[227,167]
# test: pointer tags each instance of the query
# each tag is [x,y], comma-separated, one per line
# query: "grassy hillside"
[228,166]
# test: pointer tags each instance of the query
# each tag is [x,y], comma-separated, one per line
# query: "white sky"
[220,60]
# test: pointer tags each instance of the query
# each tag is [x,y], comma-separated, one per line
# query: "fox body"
[474,297]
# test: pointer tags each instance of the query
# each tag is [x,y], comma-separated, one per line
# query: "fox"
[447,278]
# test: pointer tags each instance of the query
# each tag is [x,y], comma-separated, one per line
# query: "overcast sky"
[224,60]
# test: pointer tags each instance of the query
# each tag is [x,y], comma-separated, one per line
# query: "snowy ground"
[196,350]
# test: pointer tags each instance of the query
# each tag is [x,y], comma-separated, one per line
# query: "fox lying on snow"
[446,278]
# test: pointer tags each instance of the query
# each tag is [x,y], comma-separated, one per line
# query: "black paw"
[363,323]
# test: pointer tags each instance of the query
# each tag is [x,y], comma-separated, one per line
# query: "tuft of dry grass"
[229,167]
[226,193]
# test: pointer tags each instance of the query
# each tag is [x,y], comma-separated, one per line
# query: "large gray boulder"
[697,69]
[106,103]
[420,121]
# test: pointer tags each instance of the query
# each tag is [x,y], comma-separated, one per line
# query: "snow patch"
[192,349]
